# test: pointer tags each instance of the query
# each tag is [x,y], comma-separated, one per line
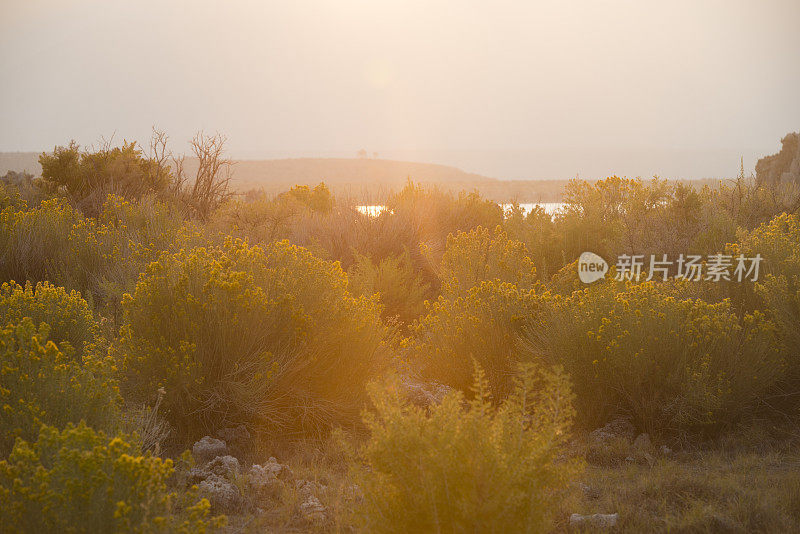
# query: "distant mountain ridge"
[363,180]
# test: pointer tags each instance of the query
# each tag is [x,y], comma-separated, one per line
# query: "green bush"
[433,214]
[67,314]
[468,467]
[42,384]
[478,255]
[89,177]
[318,199]
[401,290]
[239,334]
[80,480]
[669,362]
[483,325]
[537,231]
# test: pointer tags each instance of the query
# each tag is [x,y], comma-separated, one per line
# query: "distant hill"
[255,173]
[20,161]
[364,180]
[367,181]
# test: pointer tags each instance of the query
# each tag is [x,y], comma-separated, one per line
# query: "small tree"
[210,187]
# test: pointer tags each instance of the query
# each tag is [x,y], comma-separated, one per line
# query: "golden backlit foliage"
[468,466]
[269,337]
[670,362]
[79,480]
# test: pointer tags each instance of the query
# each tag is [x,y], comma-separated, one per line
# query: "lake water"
[549,207]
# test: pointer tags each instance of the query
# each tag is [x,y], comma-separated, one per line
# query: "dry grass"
[737,484]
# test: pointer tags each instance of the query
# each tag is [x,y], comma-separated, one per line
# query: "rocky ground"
[746,482]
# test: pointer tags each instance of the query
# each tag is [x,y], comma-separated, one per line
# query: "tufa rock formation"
[783,167]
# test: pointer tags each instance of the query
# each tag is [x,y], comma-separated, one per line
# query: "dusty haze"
[505,89]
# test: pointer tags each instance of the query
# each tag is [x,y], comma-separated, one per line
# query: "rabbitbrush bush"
[238,334]
[778,242]
[400,289]
[68,315]
[468,466]
[669,362]
[80,480]
[478,255]
[41,384]
[100,257]
[483,325]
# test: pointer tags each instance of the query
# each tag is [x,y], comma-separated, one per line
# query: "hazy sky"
[428,78]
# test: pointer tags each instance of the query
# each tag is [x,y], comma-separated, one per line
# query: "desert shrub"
[100,257]
[482,325]
[10,197]
[238,334]
[669,362]
[317,199]
[778,288]
[79,480]
[433,214]
[89,177]
[67,314]
[537,231]
[400,288]
[468,467]
[478,255]
[338,235]
[42,384]
[618,215]
[33,241]
[260,219]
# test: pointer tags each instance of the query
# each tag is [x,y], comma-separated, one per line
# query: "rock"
[312,510]
[594,520]
[223,496]
[783,167]
[226,467]
[309,488]
[423,394]
[589,492]
[281,471]
[643,442]
[611,444]
[618,428]
[207,449]
[262,483]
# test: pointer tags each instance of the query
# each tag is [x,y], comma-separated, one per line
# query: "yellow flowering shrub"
[778,288]
[670,362]
[468,466]
[79,480]
[478,255]
[318,199]
[10,197]
[67,314]
[100,257]
[41,384]
[482,325]
[240,334]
